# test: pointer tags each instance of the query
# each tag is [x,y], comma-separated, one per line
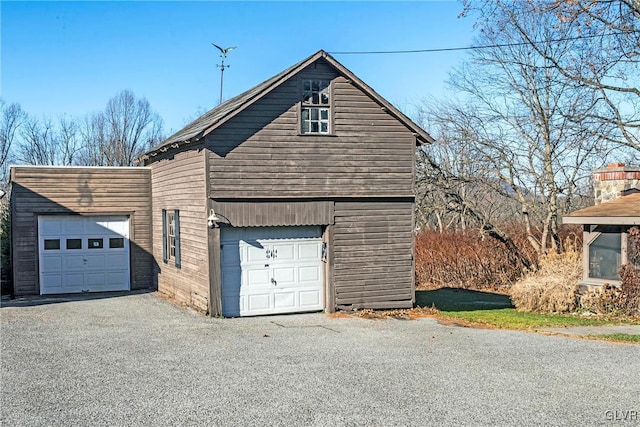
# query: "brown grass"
[466,259]
[553,288]
[407,314]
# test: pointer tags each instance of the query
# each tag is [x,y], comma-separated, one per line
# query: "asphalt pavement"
[137,360]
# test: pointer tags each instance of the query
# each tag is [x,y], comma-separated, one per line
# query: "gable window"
[315,107]
[171,236]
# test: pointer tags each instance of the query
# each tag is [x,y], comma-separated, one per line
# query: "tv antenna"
[223,55]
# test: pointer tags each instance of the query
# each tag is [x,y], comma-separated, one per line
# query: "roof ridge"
[209,121]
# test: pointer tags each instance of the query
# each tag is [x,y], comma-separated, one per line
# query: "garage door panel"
[73,262]
[117,225]
[309,273]
[79,265]
[95,279]
[53,281]
[116,260]
[97,226]
[53,263]
[51,228]
[254,253]
[73,280]
[71,227]
[95,261]
[258,302]
[284,275]
[267,270]
[308,251]
[310,298]
[285,300]
[257,278]
[284,252]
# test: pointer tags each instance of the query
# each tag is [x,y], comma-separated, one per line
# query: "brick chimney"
[615,181]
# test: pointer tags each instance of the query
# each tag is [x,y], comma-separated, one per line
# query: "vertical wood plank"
[330,306]
[215,272]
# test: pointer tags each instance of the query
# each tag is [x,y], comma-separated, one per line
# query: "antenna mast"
[223,55]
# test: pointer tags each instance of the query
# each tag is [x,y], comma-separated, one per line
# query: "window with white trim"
[171,236]
[315,109]
[606,254]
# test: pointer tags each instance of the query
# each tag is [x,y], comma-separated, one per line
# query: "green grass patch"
[617,337]
[510,318]
[486,308]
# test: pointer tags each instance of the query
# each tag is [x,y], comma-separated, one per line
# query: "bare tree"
[44,142]
[117,136]
[450,166]
[38,143]
[525,123]
[459,195]
[11,118]
[68,141]
[603,55]
[93,139]
[114,137]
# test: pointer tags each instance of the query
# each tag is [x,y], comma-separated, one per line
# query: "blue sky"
[69,58]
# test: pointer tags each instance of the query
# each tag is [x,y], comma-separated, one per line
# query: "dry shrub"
[630,275]
[463,259]
[630,290]
[553,288]
[625,299]
[618,300]
[629,297]
[601,300]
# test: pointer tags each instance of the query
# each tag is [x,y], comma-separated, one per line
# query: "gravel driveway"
[138,360]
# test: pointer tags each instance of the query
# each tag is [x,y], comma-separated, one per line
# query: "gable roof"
[624,210]
[214,118]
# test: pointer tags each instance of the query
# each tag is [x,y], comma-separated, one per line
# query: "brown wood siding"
[85,191]
[372,254]
[260,154]
[178,182]
[260,213]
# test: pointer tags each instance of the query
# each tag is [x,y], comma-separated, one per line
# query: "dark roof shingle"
[624,210]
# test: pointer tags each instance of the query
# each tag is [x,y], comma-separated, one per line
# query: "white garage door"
[83,254]
[269,270]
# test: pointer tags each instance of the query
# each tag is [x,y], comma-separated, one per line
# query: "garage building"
[294,196]
[80,229]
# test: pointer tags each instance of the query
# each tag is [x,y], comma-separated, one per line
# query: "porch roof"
[624,210]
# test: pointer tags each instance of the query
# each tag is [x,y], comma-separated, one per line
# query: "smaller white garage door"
[83,254]
[269,270]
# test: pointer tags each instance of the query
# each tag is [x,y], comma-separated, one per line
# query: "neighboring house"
[296,195]
[607,224]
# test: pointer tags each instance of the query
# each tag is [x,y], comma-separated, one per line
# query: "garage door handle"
[273,282]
